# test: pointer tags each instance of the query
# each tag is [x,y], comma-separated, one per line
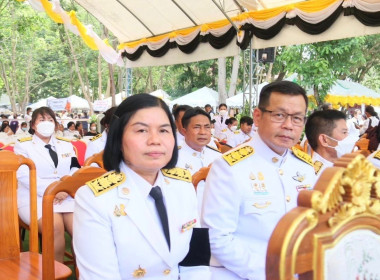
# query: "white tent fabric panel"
[237,100]
[77,102]
[200,98]
[40,103]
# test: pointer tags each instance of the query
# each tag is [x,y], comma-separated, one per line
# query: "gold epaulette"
[224,130]
[25,139]
[317,166]
[177,173]
[302,156]
[237,132]
[238,154]
[212,148]
[63,139]
[179,147]
[106,182]
[377,155]
[97,136]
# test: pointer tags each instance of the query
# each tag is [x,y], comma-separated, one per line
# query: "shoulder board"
[106,182]
[178,173]
[224,130]
[237,132]
[317,166]
[179,147]
[238,154]
[25,139]
[212,148]
[63,139]
[377,155]
[302,156]
[96,137]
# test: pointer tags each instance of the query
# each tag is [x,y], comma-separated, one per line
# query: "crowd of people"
[143,218]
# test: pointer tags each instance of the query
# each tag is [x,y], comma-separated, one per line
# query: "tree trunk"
[222,79]
[83,86]
[234,75]
[100,95]
[162,75]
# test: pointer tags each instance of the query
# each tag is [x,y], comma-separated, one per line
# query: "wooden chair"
[13,263]
[334,230]
[80,150]
[362,144]
[69,184]
[200,175]
[95,158]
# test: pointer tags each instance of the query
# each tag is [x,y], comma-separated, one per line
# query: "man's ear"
[257,114]
[322,140]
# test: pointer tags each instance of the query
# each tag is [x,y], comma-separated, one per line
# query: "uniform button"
[194,154]
[125,190]
[288,198]
[281,172]
[274,159]
[167,271]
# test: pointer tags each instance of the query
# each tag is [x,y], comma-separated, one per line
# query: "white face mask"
[46,128]
[344,146]
[234,127]
[93,128]
[24,128]
[223,112]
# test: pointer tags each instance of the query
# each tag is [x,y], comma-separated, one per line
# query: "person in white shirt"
[71,132]
[371,121]
[243,134]
[220,120]
[229,131]
[22,131]
[178,113]
[209,110]
[329,138]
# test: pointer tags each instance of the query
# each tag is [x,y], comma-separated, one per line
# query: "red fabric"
[80,149]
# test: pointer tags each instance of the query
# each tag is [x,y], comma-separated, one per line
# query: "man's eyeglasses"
[280,117]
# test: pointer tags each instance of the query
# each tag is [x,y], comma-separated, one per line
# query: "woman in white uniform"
[137,220]
[54,158]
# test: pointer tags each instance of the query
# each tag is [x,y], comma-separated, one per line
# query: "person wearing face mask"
[98,142]
[54,158]
[243,134]
[328,136]
[220,120]
[229,131]
[92,131]
[22,131]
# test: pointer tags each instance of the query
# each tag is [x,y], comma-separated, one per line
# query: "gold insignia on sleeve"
[237,132]
[236,155]
[139,273]
[224,130]
[63,139]
[212,148]
[377,155]
[97,136]
[177,173]
[106,182]
[25,139]
[302,156]
[317,166]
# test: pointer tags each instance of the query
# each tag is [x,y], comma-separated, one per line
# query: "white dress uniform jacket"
[96,144]
[237,138]
[247,191]
[193,160]
[180,138]
[118,234]
[320,164]
[219,124]
[225,134]
[34,148]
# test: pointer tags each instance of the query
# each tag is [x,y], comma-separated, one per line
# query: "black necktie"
[156,193]
[221,119]
[53,154]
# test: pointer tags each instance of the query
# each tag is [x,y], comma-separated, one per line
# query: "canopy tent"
[350,93]
[4,100]
[78,103]
[237,100]
[119,97]
[200,98]
[168,32]
[41,103]
[161,94]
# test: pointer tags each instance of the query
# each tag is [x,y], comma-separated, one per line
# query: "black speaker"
[266,55]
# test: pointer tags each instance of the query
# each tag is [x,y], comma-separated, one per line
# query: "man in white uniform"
[243,134]
[194,152]
[328,136]
[251,187]
[178,113]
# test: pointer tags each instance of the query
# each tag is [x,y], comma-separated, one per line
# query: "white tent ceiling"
[131,20]
[200,98]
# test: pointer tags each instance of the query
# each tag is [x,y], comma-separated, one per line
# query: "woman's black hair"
[42,111]
[230,120]
[112,155]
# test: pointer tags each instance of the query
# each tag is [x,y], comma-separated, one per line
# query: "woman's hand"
[60,197]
